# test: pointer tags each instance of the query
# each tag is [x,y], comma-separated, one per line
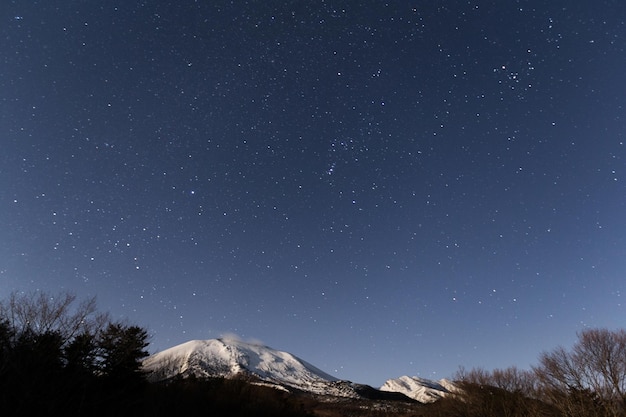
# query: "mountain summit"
[231,357]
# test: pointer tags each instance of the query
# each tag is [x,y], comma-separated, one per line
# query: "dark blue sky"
[379,188]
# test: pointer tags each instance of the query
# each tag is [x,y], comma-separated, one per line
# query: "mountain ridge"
[230,358]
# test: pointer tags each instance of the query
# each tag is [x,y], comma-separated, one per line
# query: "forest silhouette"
[59,356]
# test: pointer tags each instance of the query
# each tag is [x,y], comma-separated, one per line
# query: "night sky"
[381,188]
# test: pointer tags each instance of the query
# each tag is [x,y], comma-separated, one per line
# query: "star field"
[381,188]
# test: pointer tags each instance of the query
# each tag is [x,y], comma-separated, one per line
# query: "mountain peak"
[228,357]
[420,389]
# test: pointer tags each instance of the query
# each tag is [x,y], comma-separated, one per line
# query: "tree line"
[587,380]
[60,356]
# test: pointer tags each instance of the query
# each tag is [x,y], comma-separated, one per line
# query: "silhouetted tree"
[122,348]
[7,335]
[511,379]
[590,378]
[509,392]
[42,312]
[60,357]
[81,354]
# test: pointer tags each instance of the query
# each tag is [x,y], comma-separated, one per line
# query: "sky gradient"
[381,188]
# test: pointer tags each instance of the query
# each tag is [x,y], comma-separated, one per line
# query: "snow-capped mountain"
[420,389]
[228,358]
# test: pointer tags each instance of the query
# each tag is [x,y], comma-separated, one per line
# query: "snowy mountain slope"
[229,357]
[420,389]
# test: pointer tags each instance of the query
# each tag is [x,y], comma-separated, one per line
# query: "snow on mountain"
[231,357]
[420,389]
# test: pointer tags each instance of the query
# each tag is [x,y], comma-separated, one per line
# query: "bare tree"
[591,378]
[509,392]
[511,379]
[44,313]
